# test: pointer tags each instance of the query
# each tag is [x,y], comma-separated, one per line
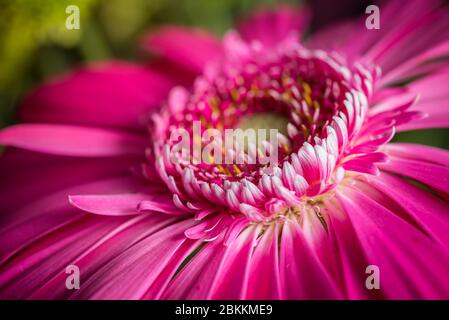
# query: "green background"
[35,45]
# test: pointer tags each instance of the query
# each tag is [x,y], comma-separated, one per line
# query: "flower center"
[313,105]
[265,121]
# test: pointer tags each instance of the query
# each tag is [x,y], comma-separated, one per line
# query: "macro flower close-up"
[329,206]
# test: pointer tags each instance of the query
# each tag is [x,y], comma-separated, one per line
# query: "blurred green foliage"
[35,44]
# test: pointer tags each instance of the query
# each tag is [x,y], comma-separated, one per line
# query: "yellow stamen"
[307,88]
[223,170]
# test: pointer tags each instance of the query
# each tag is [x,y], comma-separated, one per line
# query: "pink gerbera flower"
[88,179]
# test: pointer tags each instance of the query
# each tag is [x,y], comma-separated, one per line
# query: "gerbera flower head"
[317,100]
[326,199]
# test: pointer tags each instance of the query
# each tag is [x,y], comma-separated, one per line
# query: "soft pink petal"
[159,286]
[336,36]
[425,31]
[433,175]
[132,272]
[231,280]
[348,255]
[392,35]
[35,187]
[264,278]
[178,75]
[37,218]
[430,61]
[111,94]
[433,101]
[31,176]
[159,203]
[418,152]
[395,42]
[438,119]
[189,48]
[72,140]
[411,265]
[272,26]
[217,271]
[365,163]
[302,274]
[27,271]
[106,248]
[415,205]
[109,205]
[195,279]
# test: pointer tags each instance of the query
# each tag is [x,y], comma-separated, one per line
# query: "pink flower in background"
[87,179]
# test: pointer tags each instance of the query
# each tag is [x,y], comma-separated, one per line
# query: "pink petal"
[426,62]
[418,152]
[411,265]
[189,48]
[178,75]
[195,279]
[34,220]
[159,203]
[111,94]
[159,286]
[388,44]
[234,229]
[433,175]
[264,279]
[27,271]
[438,119]
[415,205]
[336,36]
[106,248]
[365,163]
[72,140]
[232,276]
[271,27]
[427,29]
[302,274]
[133,271]
[31,176]
[348,256]
[109,205]
[433,101]
[217,271]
